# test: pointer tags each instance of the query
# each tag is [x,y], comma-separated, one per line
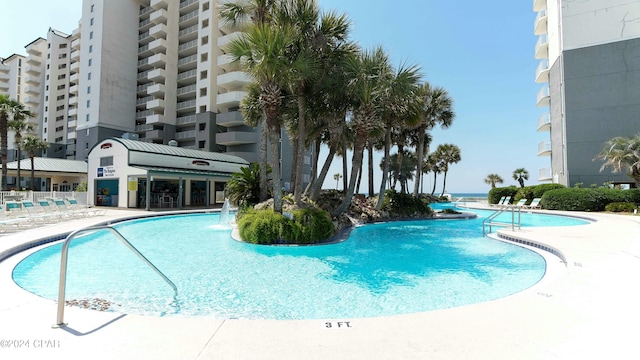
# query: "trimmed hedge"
[583,199]
[620,207]
[498,192]
[308,226]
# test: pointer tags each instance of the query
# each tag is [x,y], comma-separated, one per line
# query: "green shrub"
[405,205]
[308,226]
[449,211]
[586,199]
[540,189]
[498,192]
[523,193]
[620,207]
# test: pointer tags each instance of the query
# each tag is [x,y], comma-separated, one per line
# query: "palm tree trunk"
[444,182]
[344,170]
[357,189]
[314,168]
[274,142]
[356,162]
[264,139]
[33,171]
[435,175]
[420,158]
[294,163]
[385,171]
[370,168]
[3,150]
[18,170]
[302,104]
[323,174]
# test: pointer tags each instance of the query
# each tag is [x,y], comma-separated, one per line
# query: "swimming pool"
[381,269]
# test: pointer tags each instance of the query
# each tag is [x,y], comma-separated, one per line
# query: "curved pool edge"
[582,313]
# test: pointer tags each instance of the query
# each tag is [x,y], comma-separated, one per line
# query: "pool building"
[134,174]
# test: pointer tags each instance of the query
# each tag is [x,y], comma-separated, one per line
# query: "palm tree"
[244,187]
[622,154]
[520,174]
[9,109]
[32,143]
[448,154]
[493,179]
[262,49]
[434,164]
[367,71]
[398,106]
[436,109]
[337,177]
[401,171]
[19,125]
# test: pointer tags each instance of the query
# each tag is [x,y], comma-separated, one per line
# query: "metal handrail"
[63,267]
[489,220]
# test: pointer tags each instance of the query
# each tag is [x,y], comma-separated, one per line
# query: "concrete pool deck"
[587,309]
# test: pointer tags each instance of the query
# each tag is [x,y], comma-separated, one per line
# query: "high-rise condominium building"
[151,70]
[589,69]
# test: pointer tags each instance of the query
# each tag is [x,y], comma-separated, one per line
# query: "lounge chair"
[507,201]
[14,211]
[535,204]
[51,209]
[9,223]
[500,202]
[64,209]
[38,213]
[520,203]
[75,206]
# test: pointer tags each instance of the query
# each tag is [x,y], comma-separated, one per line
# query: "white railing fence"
[35,196]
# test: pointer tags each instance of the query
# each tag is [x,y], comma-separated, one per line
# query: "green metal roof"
[134,145]
[50,165]
[161,170]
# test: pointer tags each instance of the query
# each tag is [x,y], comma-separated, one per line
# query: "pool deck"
[587,309]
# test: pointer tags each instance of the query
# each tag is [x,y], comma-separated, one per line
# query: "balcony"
[230,99]
[75,66]
[73,100]
[223,41]
[230,119]
[142,115]
[73,112]
[189,105]
[75,44]
[540,23]
[34,50]
[542,71]
[544,148]
[543,97]
[236,138]
[34,80]
[31,100]
[158,46]
[72,123]
[158,31]
[226,62]
[73,89]
[73,79]
[188,120]
[544,174]
[157,60]
[189,33]
[159,4]
[187,75]
[542,48]
[158,16]
[189,90]
[154,134]
[30,69]
[156,104]
[75,55]
[4,86]
[188,19]
[233,80]
[33,90]
[156,89]
[544,122]
[187,5]
[190,134]
[143,101]
[34,60]
[188,48]
[154,118]
[539,5]
[187,63]
[157,75]
[71,135]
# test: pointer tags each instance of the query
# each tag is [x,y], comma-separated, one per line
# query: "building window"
[58,139]
[90,48]
[61,107]
[106,161]
[59,128]
[62,46]
[205,40]
[88,89]
[202,127]
[90,62]
[60,97]
[88,76]
[201,144]
[61,66]
[62,76]
[88,103]
[204,57]
[62,56]
[87,117]
[203,74]
[48,66]
[92,6]
[205,6]
[91,35]
[203,92]
[205,23]
[86,145]
[60,87]
[91,21]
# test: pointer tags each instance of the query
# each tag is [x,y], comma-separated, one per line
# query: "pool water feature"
[381,269]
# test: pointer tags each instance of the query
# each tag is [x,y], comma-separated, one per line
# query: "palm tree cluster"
[14,116]
[622,154]
[309,78]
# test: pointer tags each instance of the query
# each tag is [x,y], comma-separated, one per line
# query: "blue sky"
[481,52]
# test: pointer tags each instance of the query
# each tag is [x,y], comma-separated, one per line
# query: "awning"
[176,172]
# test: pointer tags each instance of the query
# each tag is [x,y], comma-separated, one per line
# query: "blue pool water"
[381,269]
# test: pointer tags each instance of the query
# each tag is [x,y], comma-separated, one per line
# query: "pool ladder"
[515,220]
[63,267]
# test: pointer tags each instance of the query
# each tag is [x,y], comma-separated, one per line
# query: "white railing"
[35,196]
